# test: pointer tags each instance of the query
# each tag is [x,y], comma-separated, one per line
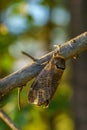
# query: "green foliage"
[32,34]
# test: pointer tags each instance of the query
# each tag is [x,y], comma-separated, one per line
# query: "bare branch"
[7,120]
[21,77]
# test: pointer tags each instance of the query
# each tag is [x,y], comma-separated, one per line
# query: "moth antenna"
[19,101]
[31,57]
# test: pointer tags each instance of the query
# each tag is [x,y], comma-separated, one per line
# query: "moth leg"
[57,49]
[57,46]
[19,102]
[57,52]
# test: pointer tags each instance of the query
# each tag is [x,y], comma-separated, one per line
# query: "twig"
[22,76]
[25,53]
[7,120]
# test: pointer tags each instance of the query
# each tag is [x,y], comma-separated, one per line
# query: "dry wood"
[21,77]
[7,120]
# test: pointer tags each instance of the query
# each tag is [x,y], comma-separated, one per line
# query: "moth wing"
[45,84]
[40,90]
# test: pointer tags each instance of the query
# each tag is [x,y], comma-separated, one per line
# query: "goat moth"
[45,84]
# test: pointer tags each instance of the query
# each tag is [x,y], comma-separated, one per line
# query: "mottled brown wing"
[45,84]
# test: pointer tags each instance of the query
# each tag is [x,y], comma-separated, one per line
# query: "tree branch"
[7,120]
[21,77]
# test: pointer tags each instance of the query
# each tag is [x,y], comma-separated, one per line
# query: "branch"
[7,120]
[21,77]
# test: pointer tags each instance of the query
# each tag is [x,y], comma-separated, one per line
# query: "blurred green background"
[35,26]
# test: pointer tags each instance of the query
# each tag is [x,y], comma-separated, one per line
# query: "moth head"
[59,61]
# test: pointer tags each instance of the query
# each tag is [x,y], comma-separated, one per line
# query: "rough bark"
[21,77]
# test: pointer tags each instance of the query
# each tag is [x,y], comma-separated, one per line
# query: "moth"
[43,88]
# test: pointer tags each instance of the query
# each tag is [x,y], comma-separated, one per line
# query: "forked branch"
[21,77]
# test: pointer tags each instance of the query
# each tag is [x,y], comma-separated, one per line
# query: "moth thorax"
[59,62]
